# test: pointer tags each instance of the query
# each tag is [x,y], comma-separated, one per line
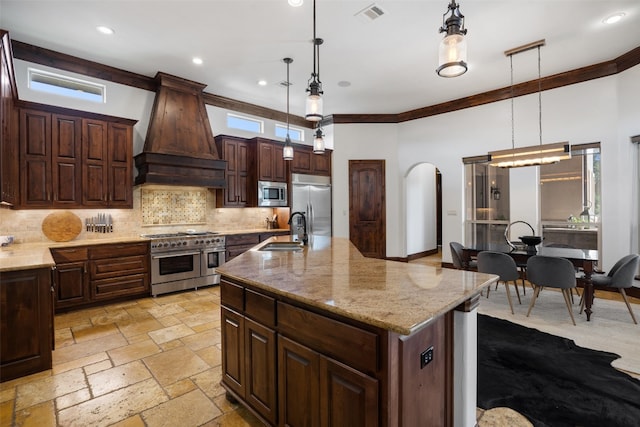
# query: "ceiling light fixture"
[318,141]
[452,52]
[533,155]
[612,19]
[295,3]
[313,110]
[197,61]
[287,152]
[105,30]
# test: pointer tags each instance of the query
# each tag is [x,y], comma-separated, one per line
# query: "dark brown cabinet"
[249,348]
[26,322]
[119,270]
[270,165]
[269,363]
[9,146]
[95,274]
[106,166]
[70,161]
[235,152]
[307,162]
[70,277]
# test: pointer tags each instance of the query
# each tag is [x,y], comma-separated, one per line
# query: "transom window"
[235,121]
[58,84]
[294,133]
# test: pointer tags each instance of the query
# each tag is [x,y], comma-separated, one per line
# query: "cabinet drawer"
[260,308]
[232,295]
[116,267]
[120,286]
[242,239]
[69,254]
[346,343]
[118,250]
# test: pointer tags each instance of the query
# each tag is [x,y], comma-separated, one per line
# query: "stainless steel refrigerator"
[311,194]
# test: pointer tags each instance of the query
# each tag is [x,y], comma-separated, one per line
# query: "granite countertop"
[26,256]
[332,275]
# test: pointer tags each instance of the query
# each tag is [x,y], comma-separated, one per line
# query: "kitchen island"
[324,336]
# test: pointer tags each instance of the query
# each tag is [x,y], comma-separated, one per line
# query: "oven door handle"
[174,254]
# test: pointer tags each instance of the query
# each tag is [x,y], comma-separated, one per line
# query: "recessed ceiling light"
[262,82]
[612,19]
[197,61]
[296,3]
[105,30]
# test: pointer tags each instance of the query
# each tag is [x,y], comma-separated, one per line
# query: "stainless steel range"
[185,260]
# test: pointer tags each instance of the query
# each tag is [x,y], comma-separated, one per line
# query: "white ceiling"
[390,62]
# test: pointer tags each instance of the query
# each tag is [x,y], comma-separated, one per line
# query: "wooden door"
[120,178]
[367,211]
[94,167]
[260,351]
[35,158]
[66,139]
[233,362]
[347,397]
[298,384]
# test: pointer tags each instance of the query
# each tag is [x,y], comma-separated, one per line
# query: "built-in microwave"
[272,193]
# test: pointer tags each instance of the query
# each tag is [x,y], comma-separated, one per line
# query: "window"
[58,84]
[294,133]
[235,121]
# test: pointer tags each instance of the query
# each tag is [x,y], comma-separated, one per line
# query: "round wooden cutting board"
[62,226]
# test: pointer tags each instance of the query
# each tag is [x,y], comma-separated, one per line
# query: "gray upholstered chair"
[501,265]
[551,272]
[620,276]
[457,256]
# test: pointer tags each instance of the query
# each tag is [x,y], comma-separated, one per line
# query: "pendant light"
[533,155]
[318,141]
[287,152]
[452,52]
[313,110]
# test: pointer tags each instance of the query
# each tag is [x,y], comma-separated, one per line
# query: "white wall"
[605,110]
[420,190]
[367,142]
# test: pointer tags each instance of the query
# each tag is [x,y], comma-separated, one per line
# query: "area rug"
[550,380]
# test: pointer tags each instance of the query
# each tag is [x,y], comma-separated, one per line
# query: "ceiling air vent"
[370,13]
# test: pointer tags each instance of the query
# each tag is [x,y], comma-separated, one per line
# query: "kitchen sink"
[282,246]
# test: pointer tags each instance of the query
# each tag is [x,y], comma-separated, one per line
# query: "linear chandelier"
[533,155]
[313,110]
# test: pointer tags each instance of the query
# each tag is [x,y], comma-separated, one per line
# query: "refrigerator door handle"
[311,218]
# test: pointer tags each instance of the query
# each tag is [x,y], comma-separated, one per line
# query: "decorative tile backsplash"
[174,207]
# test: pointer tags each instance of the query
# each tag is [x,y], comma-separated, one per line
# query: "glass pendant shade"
[452,56]
[318,142]
[314,108]
[287,151]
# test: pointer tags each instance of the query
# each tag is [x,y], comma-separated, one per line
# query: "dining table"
[583,259]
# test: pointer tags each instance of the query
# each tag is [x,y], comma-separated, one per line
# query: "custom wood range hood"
[179,148]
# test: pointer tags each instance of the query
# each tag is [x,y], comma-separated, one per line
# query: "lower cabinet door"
[233,366]
[347,397]
[260,353]
[299,388]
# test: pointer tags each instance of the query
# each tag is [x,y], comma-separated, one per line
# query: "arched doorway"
[423,210]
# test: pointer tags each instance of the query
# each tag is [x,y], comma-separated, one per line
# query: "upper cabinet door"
[94,162]
[35,154]
[66,165]
[120,153]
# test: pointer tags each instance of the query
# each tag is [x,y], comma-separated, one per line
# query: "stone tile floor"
[149,362]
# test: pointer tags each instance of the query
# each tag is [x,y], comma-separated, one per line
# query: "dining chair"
[551,272]
[457,255]
[621,276]
[501,265]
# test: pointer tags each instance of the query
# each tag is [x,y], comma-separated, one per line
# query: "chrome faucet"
[304,236]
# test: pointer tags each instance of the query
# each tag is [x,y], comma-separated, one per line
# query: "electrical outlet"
[426,357]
